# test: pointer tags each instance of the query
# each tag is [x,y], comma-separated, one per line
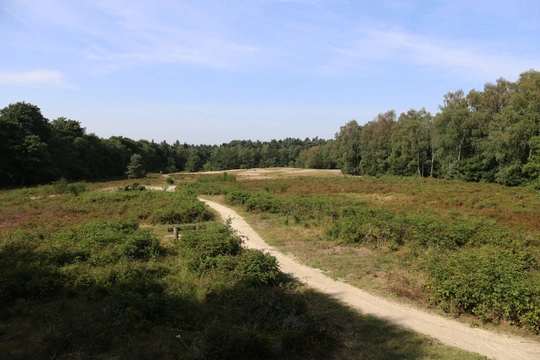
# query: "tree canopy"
[491,135]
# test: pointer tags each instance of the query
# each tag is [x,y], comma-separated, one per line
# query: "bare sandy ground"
[169,188]
[269,173]
[490,344]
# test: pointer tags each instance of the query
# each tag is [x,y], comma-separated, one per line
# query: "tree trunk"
[432,162]
[418,163]
[459,149]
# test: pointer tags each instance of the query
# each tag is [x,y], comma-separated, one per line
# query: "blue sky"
[211,71]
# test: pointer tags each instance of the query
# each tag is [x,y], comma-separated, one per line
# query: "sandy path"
[449,332]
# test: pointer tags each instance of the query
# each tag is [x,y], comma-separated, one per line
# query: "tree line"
[491,135]
[34,150]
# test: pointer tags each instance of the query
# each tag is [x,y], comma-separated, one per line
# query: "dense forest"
[36,150]
[491,135]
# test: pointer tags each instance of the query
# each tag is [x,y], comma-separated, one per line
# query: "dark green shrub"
[183,213]
[205,248]
[357,225]
[134,187]
[183,207]
[60,186]
[63,186]
[237,197]
[27,274]
[383,227]
[76,188]
[141,246]
[262,202]
[223,177]
[255,267]
[489,282]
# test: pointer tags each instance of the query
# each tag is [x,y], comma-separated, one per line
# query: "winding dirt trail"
[449,332]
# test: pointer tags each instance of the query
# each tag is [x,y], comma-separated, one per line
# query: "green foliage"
[111,289]
[134,187]
[492,284]
[219,249]
[237,197]
[376,143]
[488,135]
[183,208]
[25,135]
[300,208]
[348,143]
[412,144]
[382,227]
[256,267]
[27,273]
[135,169]
[206,250]
[532,167]
[223,177]
[60,186]
[63,186]
[261,201]
[76,188]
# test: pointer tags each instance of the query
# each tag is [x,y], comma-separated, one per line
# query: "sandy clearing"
[255,173]
[169,187]
[490,344]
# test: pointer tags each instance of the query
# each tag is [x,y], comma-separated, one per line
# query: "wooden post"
[175,232]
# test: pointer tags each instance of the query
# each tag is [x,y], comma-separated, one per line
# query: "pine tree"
[135,169]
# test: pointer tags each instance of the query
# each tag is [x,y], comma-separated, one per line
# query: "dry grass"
[514,207]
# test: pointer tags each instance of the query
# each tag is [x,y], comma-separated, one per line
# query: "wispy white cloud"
[173,33]
[398,47]
[250,36]
[18,18]
[36,77]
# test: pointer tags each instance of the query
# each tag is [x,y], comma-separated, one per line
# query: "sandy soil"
[490,344]
[169,188]
[269,173]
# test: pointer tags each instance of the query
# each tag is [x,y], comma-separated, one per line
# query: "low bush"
[491,283]
[300,208]
[261,202]
[33,266]
[134,187]
[223,177]
[63,186]
[206,250]
[256,268]
[377,227]
[184,212]
[237,197]
[382,227]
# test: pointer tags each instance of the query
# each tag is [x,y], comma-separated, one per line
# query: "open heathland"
[89,271]
[468,249]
